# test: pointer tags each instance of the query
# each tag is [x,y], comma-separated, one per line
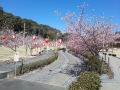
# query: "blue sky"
[42,11]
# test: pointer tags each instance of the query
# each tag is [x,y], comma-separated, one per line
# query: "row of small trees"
[13,40]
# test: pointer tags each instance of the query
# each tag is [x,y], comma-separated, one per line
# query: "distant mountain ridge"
[31,27]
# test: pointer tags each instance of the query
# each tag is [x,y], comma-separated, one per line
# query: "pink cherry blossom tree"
[10,41]
[88,34]
[32,44]
[29,44]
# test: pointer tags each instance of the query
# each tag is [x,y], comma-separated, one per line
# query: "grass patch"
[8,54]
[113,52]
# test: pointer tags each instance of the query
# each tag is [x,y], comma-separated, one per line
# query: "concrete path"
[26,85]
[112,84]
[58,73]
[8,67]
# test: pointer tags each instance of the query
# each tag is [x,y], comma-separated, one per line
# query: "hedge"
[86,81]
[35,65]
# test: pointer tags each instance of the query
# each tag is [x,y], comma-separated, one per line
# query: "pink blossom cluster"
[89,34]
[12,40]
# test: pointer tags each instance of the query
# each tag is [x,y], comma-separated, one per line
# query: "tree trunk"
[15,48]
[26,50]
[31,51]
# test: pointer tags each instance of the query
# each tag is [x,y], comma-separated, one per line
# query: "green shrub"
[95,65]
[35,65]
[87,55]
[86,81]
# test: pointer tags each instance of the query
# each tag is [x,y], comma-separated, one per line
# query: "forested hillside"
[31,27]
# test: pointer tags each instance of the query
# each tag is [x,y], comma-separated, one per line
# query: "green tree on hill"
[31,27]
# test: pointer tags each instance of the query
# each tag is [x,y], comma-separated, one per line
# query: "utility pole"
[24,35]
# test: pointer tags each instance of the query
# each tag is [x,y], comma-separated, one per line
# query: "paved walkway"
[26,85]
[59,73]
[5,68]
[112,84]
[56,76]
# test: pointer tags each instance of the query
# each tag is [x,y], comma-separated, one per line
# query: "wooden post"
[102,65]
[108,65]
[105,56]
[22,67]
[15,70]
